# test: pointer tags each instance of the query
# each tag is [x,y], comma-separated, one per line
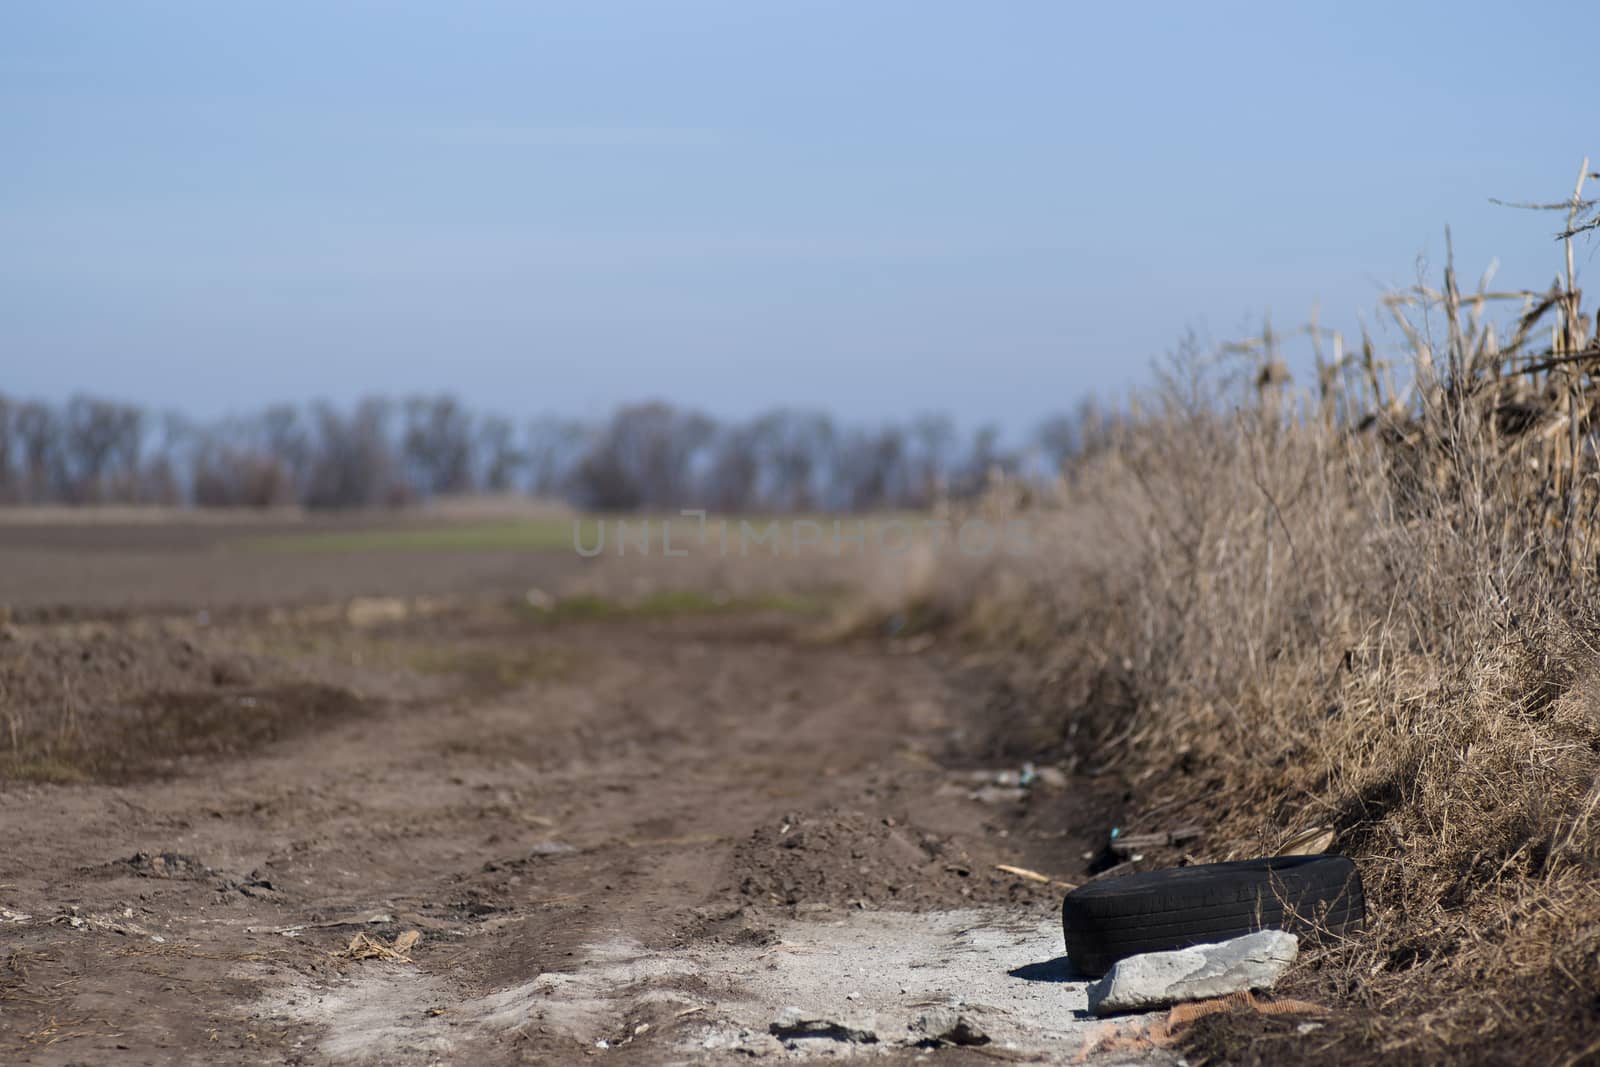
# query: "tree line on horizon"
[379,453]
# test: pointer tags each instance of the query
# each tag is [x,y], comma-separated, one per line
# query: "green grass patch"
[629,535]
[501,535]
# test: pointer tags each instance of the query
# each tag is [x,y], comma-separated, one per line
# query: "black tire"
[1162,910]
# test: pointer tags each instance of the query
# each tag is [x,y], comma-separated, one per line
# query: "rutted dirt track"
[634,839]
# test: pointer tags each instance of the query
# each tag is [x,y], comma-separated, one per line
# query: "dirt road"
[485,836]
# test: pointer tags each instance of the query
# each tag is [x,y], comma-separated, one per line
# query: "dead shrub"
[1361,608]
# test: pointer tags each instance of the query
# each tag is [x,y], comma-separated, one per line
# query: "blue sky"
[878,208]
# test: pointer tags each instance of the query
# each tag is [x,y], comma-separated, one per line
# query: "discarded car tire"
[1158,911]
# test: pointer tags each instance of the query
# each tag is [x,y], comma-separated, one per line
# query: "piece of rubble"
[1131,845]
[744,1042]
[377,918]
[794,1023]
[1156,979]
[946,1026]
[996,794]
[166,865]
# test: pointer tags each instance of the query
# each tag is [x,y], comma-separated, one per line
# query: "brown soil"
[200,817]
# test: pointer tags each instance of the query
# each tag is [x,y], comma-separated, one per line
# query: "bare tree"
[734,477]
[102,446]
[646,458]
[353,465]
[10,475]
[437,445]
[229,477]
[500,456]
[792,450]
[38,431]
[651,456]
[872,469]
[285,436]
[552,449]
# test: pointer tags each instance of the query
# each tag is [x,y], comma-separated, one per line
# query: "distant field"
[90,562]
[513,535]
[87,562]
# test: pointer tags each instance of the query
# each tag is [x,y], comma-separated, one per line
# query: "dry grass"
[1361,608]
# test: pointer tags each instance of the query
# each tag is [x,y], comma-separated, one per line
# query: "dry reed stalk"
[1367,610]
